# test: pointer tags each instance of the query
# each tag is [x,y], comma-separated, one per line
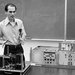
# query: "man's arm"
[23,33]
[1,34]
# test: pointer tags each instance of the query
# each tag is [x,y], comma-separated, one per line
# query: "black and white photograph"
[37,37]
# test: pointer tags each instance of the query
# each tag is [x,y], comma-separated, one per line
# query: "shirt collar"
[8,22]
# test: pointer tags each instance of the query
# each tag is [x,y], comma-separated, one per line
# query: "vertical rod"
[65,22]
[8,50]
[22,63]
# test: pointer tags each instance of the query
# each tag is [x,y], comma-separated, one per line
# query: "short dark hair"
[10,4]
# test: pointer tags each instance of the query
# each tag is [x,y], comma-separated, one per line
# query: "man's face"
[11,11]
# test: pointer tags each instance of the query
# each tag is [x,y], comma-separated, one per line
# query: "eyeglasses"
[11,11]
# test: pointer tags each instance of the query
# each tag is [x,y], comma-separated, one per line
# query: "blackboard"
[71,19]
[43,19]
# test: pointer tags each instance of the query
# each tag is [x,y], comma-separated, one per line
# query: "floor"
[38,70]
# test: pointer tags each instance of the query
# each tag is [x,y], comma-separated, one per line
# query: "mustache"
[12,16]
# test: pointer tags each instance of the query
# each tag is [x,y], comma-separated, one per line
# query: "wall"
[71,19]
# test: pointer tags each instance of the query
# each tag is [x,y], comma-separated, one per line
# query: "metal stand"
[18,64]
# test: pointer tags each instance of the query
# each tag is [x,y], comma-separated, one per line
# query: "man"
[12,31]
